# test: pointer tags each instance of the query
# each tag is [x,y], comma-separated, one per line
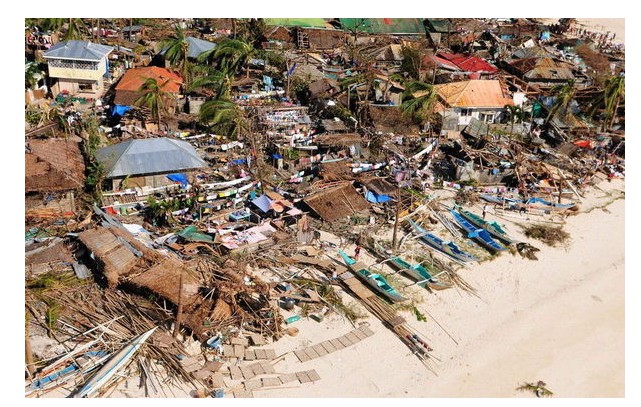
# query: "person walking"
[484,210]
[357,252]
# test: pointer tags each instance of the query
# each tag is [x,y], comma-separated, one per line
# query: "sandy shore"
[559,319]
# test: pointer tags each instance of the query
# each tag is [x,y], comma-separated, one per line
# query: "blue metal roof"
[78,50]
[148,156]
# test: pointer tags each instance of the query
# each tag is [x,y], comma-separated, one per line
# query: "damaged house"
[145,164]
[336,203]
[54,174]
[459,102]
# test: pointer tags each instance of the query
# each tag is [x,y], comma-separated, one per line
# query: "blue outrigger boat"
[450,249]
[373,280]
[481,236]
[494,228]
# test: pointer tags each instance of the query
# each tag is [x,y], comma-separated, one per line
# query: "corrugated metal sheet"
[543,68]
[473,93]
[134,78]
[469,63]
[78,50]
[148,156]
[198,46]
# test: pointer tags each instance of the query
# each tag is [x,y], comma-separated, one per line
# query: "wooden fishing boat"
[375,281]
[450,249]
[119,360]
[493,228]
[481,236]
[417,272]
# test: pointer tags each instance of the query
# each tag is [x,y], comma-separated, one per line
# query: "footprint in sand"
[595,298]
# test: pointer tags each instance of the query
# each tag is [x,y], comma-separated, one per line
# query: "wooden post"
[398,209]
[180,306]
[31,369]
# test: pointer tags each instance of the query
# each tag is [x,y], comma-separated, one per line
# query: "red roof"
[469,63]
[133,79]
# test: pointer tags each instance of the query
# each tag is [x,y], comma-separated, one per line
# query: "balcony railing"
[69,64]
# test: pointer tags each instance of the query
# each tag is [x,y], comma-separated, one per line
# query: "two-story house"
[459,102]
[78,67]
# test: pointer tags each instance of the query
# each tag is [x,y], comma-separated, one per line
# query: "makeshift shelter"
[147,162]
[338,202]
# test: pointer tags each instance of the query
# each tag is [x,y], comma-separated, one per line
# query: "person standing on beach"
[357,252]
[484,210]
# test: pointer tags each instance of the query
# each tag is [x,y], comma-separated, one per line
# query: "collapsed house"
[54,176]
[337,202]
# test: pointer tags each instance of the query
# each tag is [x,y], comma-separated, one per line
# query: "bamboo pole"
[180,307]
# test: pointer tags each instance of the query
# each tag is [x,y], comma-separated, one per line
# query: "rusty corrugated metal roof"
[473,93]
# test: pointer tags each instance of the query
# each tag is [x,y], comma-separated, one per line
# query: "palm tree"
[154,97]
[52,24]
[217,80]
[76,30]
[233,54]
[418,101]
[609,99]
[176,49]
[517,115]
[223,115]
[563,95]
[32,75]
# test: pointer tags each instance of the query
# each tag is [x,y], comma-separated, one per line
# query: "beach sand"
[559,319]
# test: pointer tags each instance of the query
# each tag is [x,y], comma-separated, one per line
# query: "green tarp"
[298,22]
[384,25]
[192,234]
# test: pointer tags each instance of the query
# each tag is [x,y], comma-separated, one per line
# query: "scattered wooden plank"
[337,344]
[327,345]
[303,377]
[267,367]
[260,353]
[247,372]
[216,380]
[344,341]
[270,354]
[350,336]
[239,351]
[257,368]
[250,354]
[288,377]
[313,375]
[366,330]
[319,349]
[235,373]
[359,334]
[201,374]
[271,381]
[239,341]
[301,355]
[311,353]
[257,340]
[213,365]
[228,351]
[243,394]
[253,384]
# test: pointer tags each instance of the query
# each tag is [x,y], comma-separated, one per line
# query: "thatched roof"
[390,119]
[53,250]
[53,165]
[113,254]
[163,279]
[336,203]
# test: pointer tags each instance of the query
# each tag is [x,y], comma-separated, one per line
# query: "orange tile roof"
[133,79]
[473,93]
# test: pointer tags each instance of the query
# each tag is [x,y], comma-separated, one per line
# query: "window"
[85,86]
[466,112]
[486,117]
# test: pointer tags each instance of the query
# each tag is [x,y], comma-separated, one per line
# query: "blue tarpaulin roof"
[182,178]
[375,198]
[120,110]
